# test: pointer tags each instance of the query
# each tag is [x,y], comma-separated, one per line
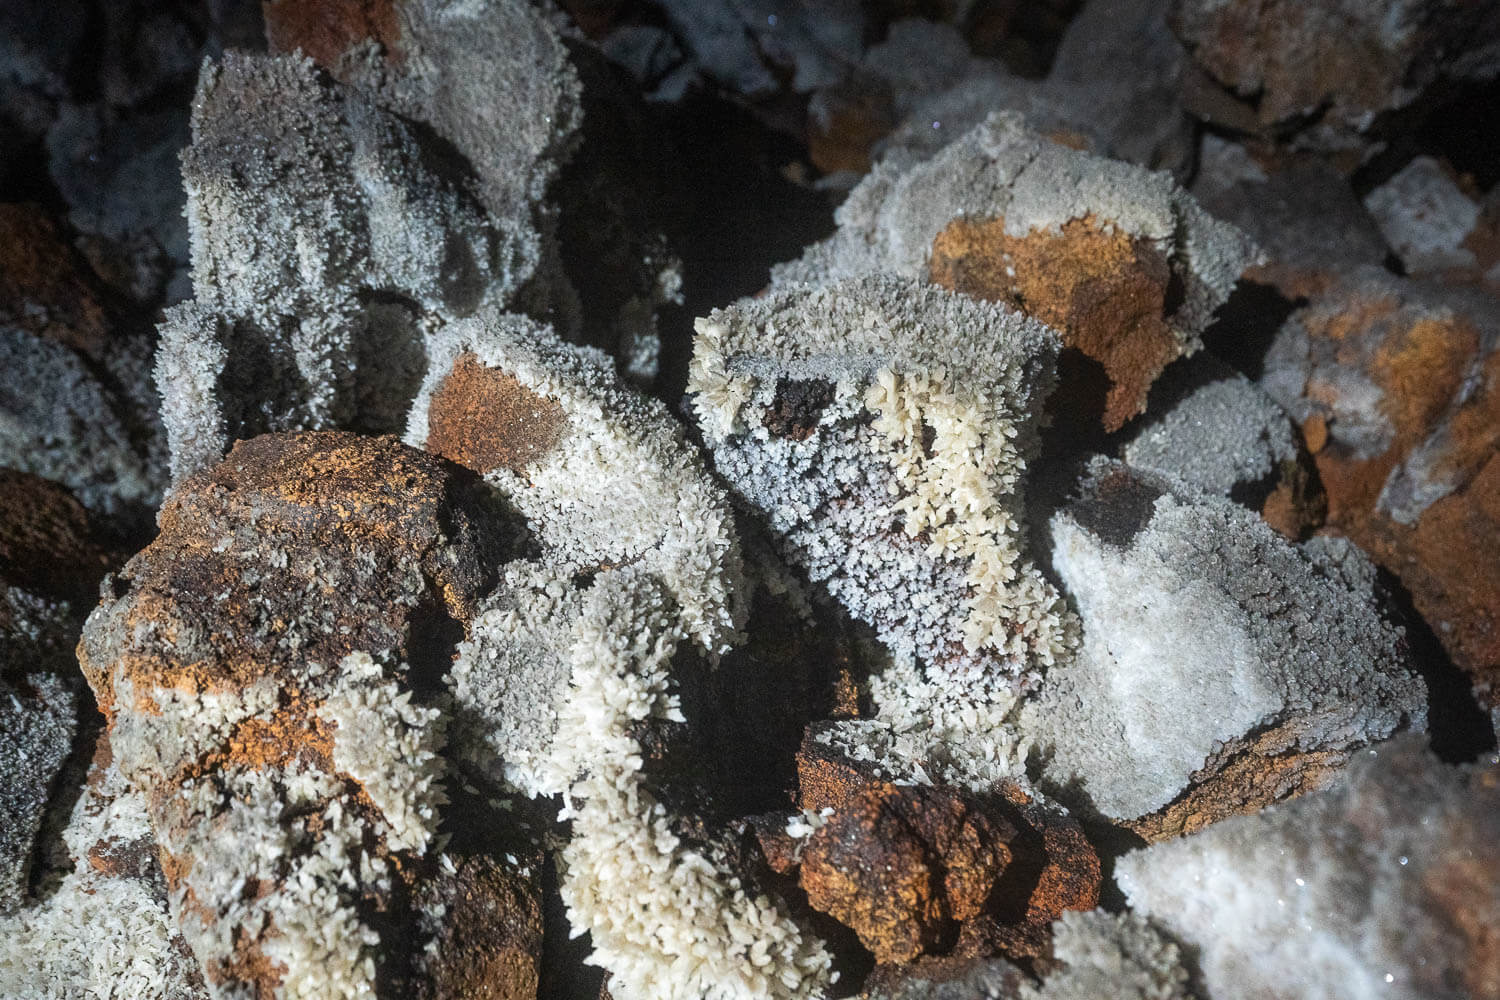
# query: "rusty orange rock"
[901,864]
[327,29]
[486,419]
[1105,290]
[1397,387]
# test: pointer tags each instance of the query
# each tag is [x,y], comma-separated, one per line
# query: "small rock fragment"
[1380,885]
[901,864]
[1050,866]
[1121,261]
[1218,431]
[1430,221]
[1205,631]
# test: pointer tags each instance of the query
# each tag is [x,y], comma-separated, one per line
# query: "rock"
[1122,261]
[38,716]
[579,677]
[750,46]
[49,545]
[900,864]
[1213,650]
[119,175]
[494,86]
[490,942]
[1435,226]
[76,404]
[1377,886]
[1097,954]
[51,561]
[449,69]
[1214,429]
[1303,214]
[43,290]
[944,977]
[1112,90]
[314,316]
[1050,866]
[1394,385]
[257,664]
[877,455]
[104,926]
[1117,74]
[1117,955]
[1329,74]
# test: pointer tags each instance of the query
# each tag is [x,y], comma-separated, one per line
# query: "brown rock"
[47,542]
[42,287]
[1397,387]
[490,943]
[308,503]
[1052,865]
[1105,290]
[1329,67]
[486,419]
[1243,778]
[900,864]
[326,29]
[271,568]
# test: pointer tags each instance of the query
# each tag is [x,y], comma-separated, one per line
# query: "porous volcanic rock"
[258,664]
[1205,657]
[1122,261]
[1397,387]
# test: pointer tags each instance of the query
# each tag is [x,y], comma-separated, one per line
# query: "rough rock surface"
[1435,226]
[76,405]
[551,137]
[320,258]
[1329,70]
[1120,260]
[1397,387]
[901,865]
[573,680]
[1304,216]
[38,715]
[103,926]
[864,829]
[1379,886]
[258,663]
[1215,430]
[880,426]
[1189,601]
